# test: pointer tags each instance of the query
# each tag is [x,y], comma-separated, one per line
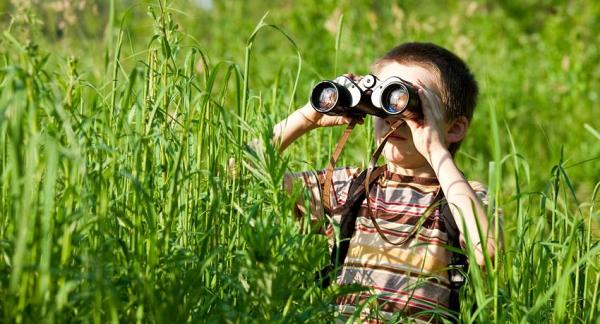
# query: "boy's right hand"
[316,119]
[302,121]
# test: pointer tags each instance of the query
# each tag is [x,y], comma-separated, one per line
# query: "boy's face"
[400,149]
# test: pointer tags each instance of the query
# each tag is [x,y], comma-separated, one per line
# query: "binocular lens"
[395,99]
[328,98]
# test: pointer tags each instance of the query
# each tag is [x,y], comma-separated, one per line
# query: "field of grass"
[127,193]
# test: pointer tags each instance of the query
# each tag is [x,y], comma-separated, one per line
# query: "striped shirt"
[401,281]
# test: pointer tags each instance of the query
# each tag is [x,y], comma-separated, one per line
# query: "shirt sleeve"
[313,183]
[482,193]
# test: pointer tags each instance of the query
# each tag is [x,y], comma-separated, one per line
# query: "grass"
[128,194]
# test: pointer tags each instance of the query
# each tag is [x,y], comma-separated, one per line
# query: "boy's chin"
[403,165]
[401,155]
[408,162]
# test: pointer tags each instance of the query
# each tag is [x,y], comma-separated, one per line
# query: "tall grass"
[128,192]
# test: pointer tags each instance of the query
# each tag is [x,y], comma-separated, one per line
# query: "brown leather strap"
[377,153]
[336,154]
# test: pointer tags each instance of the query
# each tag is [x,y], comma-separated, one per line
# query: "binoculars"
[393,97]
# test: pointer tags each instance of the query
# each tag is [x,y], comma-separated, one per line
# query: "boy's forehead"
[409,72]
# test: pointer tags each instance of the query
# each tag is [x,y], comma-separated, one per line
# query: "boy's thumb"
[348,120]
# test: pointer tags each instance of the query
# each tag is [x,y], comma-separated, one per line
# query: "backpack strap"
[458,265]
[450,224]
[328,185]
[349,212]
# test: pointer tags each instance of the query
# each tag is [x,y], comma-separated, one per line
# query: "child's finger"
[412,124]
[425,102]
[350,76]
[432,98]
[419,84]
[430,103]
[346,120]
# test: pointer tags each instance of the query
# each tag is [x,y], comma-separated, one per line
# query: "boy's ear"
[457,130]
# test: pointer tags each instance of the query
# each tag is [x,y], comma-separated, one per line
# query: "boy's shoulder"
[477,186]
[481,191]
[340,174]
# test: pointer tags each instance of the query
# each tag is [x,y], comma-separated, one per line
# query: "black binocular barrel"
[392,97]
[330,98]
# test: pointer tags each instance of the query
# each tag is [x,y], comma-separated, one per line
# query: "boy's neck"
[424,172]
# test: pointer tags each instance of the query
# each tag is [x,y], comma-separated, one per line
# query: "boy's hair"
[457,84]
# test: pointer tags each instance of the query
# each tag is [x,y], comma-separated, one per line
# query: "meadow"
[128,193]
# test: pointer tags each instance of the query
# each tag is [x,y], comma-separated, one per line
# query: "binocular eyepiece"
[393,97]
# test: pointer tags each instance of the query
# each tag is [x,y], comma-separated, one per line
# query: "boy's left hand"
[429,134]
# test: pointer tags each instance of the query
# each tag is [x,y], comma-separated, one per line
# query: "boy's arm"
[431,138]
[288,130]
[300,122]
[465,205]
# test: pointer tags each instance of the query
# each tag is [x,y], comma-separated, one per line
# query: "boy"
[408,279]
